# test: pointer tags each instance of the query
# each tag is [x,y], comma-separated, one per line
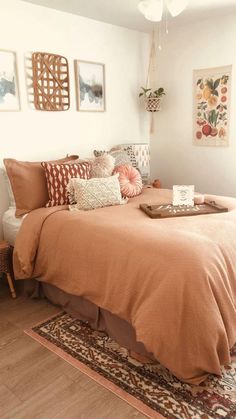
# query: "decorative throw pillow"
[12,202]
[130,152]
[98,153]
[29,183]
[130,180]
[96,192]
[102,166]
[119,154]
[58,176]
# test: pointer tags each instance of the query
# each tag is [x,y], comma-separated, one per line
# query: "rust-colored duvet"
[173,280]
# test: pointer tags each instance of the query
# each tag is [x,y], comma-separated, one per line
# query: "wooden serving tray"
[169,210]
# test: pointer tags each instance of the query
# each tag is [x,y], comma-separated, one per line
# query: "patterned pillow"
[120,155]
[102,166]
[130,180]
[96,192]
[58,176]
[130,152]
[98,153]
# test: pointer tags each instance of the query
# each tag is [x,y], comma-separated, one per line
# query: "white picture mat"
[92,74]
[183,195]
[8,76]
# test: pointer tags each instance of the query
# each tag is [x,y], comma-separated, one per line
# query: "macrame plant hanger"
[152,103]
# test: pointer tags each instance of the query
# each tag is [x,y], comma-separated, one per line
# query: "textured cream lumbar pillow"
[95,193]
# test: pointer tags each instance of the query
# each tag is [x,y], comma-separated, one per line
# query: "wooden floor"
[37,384]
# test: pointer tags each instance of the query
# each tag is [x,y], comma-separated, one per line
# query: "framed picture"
[183,195]
[9,91]
[90,86]
[211,90]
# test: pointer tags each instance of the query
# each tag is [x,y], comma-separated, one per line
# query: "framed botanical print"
[212,88]
[90,86]
[9,91]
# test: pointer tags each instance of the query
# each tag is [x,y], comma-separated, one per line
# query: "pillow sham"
[29,184]
[130,180]
[96,192]
[12,203]
[58,176]
[102,166]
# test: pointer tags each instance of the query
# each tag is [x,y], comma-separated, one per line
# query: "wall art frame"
[211,106]
[90,86]
[51,83]
[9,82]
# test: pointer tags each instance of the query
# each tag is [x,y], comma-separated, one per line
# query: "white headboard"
[4,199]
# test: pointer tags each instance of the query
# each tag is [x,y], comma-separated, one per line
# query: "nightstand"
[5,264]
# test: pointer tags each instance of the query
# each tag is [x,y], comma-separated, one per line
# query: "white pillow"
[12,202]
[102,166]
[95,193]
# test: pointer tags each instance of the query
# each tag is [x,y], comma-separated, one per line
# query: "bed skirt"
[99,319]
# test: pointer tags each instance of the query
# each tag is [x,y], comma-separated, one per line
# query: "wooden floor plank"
[7,400]
[36,383]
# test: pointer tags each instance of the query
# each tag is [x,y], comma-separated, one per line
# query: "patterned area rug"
[148,387]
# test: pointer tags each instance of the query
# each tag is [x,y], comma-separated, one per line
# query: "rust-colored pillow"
[28,182]
[58,176]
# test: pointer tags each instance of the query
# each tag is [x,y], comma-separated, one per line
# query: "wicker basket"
[153,104]
[5,252]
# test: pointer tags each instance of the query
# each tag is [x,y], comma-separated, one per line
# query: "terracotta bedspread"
[174,279]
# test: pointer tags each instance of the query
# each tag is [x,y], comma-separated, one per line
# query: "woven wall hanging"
[50,82]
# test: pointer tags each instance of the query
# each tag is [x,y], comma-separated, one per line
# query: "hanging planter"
[153,104]
[153,98]
[153,101]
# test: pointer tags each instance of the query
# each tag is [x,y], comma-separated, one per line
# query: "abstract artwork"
[50,82]
[211,106]
[9,94]
[90,84]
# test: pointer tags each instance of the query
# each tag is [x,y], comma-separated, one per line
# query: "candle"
[198,198]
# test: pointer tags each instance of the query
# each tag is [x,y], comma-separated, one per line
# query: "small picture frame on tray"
[183,195]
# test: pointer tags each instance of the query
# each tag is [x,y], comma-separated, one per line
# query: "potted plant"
[153,98]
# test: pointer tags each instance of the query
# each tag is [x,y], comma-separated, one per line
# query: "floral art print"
[211,106]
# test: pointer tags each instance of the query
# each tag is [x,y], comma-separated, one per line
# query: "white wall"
[35,135]
[175,160]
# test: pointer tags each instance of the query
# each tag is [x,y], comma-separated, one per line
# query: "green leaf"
[199,81]
[216,84]
[145,90]
[210,84]
[215,93]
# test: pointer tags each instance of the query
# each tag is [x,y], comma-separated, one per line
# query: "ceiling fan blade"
[176,7]
[151,9]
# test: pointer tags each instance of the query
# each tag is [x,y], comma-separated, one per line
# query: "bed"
[164,288]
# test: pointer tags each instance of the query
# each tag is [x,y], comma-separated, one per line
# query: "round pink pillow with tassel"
[130,180]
